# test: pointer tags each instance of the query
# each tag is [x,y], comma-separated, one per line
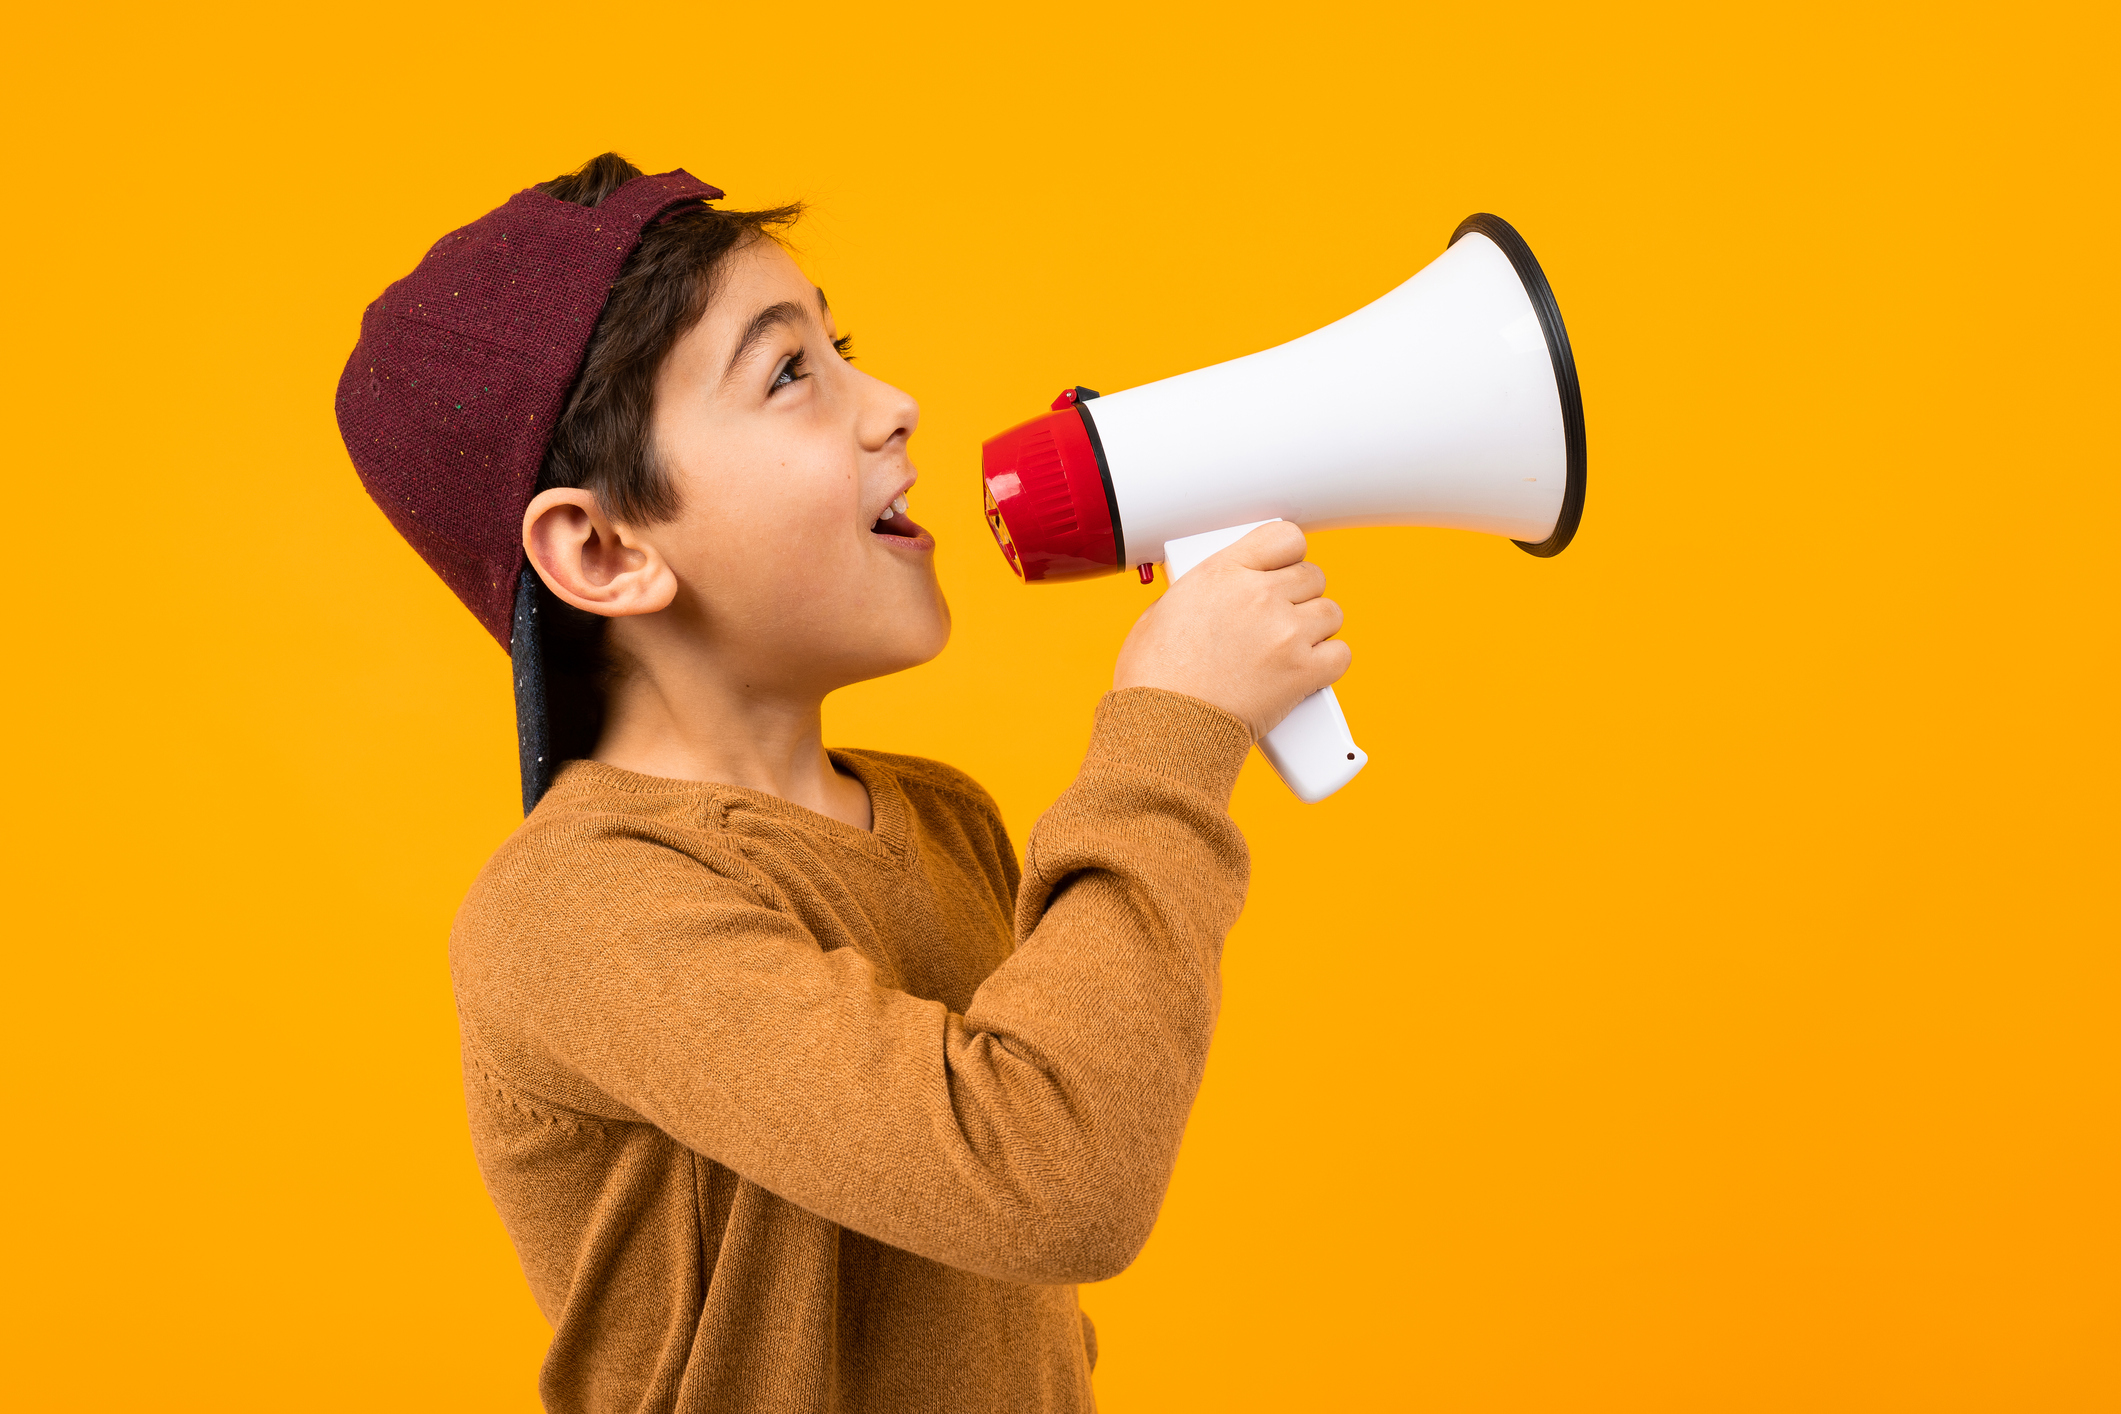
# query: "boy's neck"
[689,722]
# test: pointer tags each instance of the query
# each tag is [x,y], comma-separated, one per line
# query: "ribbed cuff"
[1171,734]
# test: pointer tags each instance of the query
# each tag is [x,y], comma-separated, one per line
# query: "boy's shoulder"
[606,844]
[599,846]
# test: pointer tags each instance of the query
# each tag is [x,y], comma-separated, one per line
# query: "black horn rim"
[1542,294]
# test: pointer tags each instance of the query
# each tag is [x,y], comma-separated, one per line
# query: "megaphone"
[1451,401]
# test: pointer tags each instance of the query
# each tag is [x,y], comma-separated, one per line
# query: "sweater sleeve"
[1030,1138]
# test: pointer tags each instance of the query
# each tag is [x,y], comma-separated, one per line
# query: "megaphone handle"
[1312,750]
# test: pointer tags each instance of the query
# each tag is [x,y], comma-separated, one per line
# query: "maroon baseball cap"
[450,398]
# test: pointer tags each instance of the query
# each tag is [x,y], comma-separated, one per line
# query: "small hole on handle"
[1351,756]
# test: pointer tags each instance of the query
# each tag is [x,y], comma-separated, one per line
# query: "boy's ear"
[590,562]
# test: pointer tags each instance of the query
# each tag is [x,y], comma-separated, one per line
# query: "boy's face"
[786,458]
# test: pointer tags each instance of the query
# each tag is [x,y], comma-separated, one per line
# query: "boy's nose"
[887,412]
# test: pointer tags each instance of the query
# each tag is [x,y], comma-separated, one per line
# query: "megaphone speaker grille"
[1049,498]
[1542,295]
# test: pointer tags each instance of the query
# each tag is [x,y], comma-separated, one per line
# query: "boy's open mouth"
[894,521]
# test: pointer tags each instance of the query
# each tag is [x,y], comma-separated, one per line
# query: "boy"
[792,1094]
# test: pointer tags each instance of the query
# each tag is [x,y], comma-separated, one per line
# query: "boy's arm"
[1030,1138]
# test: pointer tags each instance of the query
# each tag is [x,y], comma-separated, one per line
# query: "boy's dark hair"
[604,440]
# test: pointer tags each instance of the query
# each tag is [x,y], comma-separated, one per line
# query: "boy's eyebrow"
[772,317]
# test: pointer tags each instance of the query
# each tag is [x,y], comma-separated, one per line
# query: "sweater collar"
[889,836]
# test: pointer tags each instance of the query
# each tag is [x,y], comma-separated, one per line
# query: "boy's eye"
[794,369]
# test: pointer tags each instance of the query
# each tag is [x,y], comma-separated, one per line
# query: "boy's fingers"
[1298,583]
[1272,546]
[1322,618]
[1335,655]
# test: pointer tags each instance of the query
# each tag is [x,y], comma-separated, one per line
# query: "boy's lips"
[902,532]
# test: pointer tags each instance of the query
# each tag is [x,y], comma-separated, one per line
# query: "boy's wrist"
[1171,734]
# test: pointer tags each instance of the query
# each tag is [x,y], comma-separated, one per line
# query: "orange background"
[1704,1001]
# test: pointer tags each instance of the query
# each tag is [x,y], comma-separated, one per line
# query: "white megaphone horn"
[1452,401]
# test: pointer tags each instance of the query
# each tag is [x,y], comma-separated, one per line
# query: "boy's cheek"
[803,553]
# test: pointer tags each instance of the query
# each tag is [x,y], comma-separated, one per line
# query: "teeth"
[899,505]
[888,514]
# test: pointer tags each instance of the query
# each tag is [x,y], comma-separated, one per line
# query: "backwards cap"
[449,401]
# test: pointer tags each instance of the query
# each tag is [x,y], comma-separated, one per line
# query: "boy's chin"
[914,644]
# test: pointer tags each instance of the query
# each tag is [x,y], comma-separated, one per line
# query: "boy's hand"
[1248,630]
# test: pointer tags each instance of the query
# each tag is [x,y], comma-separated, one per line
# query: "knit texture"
[785,1116]
[449,399]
